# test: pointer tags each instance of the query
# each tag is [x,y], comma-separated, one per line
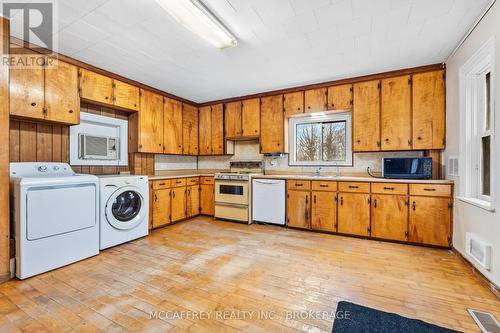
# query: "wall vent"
[486,321]
[453,166]
[478,250]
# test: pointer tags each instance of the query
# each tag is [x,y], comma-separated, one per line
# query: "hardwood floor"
[205,265]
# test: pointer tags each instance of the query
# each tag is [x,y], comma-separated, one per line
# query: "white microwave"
[95,147]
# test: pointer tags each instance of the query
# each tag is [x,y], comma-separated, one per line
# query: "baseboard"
[5,277]
[492,286]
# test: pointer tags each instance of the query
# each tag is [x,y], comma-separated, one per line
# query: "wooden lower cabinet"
[192,200]
[354,214]
[161,208]
[207,197]
[430,221]
[389,217]
[179,203]
[298,209]
[324,211]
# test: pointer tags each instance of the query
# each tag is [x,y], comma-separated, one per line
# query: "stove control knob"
[42,168]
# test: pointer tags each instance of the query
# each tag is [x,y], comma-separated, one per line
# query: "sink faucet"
[318,171]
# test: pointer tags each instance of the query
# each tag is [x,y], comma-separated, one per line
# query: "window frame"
[323,117]
[473,126]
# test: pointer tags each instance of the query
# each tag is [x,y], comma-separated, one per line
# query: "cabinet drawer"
[161,184]
[193,180]
[298,185]
[430,190]
[389,188]
[179,182]
[324,185]
[354,187]
[207,180]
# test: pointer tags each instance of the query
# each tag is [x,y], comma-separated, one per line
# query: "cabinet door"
[126,95]
[161,207]
[151,123]
[293,103]
[271,125]
[340,97]
[232,119]
[430,221]
[95,87]
[207,201]
[178,203]
[315,100]
[396,113]
[389,215]
[205,130]
[429,110]
[190,129]
[62,102]
[298,209]
[27,92]
[217,129]
[193,200]
[172,131]
[354,214]
[250,117]
[324,211]
[366,114]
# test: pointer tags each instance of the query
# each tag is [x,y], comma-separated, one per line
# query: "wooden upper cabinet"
[315,100]
[430,221]
[205,130]
[126,95]
[298,209]
[396,113]
[217,129]
[27,92]
[62,102]
[324,211]
[189,129]
[95,87]
[293,103]
[389,217]
[272,125]
[340,97]
[150,125]
[354,214]
[250,117]
[172,126]
[366,114]
[429,110]
[232,119]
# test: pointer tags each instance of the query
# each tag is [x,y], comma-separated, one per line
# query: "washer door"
[125,208]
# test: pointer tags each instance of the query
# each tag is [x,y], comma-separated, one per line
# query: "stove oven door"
[231,200]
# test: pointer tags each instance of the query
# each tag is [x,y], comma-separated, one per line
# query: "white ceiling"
[282,43]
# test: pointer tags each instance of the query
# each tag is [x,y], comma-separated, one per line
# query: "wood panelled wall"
[46,142]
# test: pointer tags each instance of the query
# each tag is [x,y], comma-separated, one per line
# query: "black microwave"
[407,167]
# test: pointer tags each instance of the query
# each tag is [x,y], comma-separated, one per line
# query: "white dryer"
[55,214]
[124,209]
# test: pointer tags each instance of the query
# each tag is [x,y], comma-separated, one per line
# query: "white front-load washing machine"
[124,209]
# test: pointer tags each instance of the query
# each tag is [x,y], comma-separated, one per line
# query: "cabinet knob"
[106,97]
[33,104]
[70,111]
[419,138]
[358,141]
[387,140]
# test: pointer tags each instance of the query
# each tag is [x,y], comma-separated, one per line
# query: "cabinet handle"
[389,188]
[298,184]
[33,104]
[386,139]
[315,199]
[173,195]
[414,205]
[156,197]
[323,185]
[430,189]
[374,203]
[352,186]
[162,184]
[307,202]
[341,201]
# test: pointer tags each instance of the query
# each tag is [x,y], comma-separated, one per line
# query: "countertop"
[306,176]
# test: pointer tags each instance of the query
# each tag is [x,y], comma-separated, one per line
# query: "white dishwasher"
[268,201]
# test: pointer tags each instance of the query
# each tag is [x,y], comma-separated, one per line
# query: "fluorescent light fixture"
[197,18]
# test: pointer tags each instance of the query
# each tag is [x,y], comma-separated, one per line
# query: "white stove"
[232,189]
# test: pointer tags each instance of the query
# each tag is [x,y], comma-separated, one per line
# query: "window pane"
[487,100]
[485,172]
[308,142]
[334,141]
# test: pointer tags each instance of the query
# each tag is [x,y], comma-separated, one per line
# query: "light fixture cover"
[197,18]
